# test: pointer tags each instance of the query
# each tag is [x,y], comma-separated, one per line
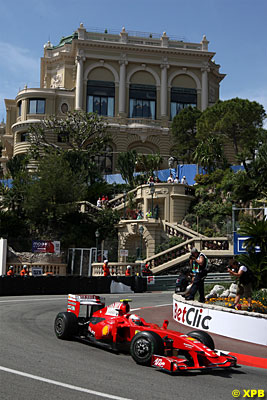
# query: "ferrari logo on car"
[105,330]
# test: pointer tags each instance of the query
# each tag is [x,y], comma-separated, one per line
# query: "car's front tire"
[144,345]
[203,337]
[66,325]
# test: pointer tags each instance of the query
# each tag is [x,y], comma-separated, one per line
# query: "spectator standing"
[140,215]
[176,179]
[106,268]
[184,181]
[244,285]
[11,272]
[128,271]
[146,271]
[99,203]
[170,179]
[24,271]
[199,261]
[150,179]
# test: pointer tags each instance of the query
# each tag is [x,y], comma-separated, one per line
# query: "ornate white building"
[137,81]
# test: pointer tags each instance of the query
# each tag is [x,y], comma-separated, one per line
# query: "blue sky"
[236,29]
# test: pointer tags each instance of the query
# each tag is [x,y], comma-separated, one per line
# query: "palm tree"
[257,232]
[209,154]
[126,164]
[255,259]
[149,163]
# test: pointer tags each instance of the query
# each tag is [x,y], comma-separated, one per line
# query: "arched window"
[182,98]
[100,97]
[142,101]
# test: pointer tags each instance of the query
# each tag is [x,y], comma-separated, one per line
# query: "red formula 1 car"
[115,328]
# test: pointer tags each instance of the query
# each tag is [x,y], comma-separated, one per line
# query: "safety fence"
[168,282]
[45,285]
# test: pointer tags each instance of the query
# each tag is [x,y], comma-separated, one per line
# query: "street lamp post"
[152,191]
[97,234]
[141,231]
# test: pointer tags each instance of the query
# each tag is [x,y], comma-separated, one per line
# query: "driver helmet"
[135,319]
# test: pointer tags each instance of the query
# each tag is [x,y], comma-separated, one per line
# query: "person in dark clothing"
[146,271]
[182,282]
[244,286]
[198,262]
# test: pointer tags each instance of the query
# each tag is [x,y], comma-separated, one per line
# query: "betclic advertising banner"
[226,323]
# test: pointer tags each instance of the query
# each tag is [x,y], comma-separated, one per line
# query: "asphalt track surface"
[34,364]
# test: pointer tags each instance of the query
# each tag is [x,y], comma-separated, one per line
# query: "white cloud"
[14,59]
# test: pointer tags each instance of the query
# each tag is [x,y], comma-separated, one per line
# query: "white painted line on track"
[64,385]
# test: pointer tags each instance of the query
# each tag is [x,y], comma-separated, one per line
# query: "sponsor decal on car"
[159,362]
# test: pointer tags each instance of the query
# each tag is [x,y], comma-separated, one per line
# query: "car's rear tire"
[203,337]
[66,325]
[144,345]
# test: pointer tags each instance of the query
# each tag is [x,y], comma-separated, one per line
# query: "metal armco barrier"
[38,285]
[168,282]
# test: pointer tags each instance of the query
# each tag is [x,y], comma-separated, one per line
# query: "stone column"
[79,83]
[122,87]
[164,90]
[204,93]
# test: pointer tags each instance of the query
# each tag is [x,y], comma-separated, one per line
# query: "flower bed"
[228,302]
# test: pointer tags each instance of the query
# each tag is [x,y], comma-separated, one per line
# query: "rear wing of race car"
[76,300]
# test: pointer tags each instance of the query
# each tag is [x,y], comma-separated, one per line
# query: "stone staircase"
[213,247]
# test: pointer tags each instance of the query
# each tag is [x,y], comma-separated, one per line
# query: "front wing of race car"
[199,361]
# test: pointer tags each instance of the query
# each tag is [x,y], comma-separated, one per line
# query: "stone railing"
[177,231]
[220,243]
[170,254]
[118,201]
[87,207]
[47,268]
[116,269]
[213,247]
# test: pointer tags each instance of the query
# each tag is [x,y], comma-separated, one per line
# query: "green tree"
[257,172]
[126,165]
[209,154]
[52,193]
[257,232]
[148,163]
[184,133]
[254,259]
[80,131]
[13,195]
[237,121]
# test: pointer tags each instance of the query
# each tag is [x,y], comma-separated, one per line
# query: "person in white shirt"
[184,181]
[244,287]
[170,179]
